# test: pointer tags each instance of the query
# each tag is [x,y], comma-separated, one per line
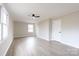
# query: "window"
[30,27]
[3,24]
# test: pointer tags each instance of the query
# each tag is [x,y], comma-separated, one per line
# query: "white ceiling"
[23,11]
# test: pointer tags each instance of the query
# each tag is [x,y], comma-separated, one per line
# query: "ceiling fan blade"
[37,16]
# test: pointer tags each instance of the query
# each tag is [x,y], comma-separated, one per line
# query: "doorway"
[56,30]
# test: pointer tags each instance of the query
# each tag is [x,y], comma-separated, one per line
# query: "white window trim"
[3,8]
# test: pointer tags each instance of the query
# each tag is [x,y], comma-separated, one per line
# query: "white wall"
[5,44]
[0,22]
[70,29]
[42,29]
[21,29]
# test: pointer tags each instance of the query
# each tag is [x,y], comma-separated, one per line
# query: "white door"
[56,30]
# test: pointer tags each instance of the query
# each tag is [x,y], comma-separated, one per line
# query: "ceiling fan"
[35,16]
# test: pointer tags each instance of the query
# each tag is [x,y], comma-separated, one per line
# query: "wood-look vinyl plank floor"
[31,46]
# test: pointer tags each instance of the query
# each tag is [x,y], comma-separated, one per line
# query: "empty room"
[39,29]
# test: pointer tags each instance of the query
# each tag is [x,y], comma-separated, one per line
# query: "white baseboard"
[8,48]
